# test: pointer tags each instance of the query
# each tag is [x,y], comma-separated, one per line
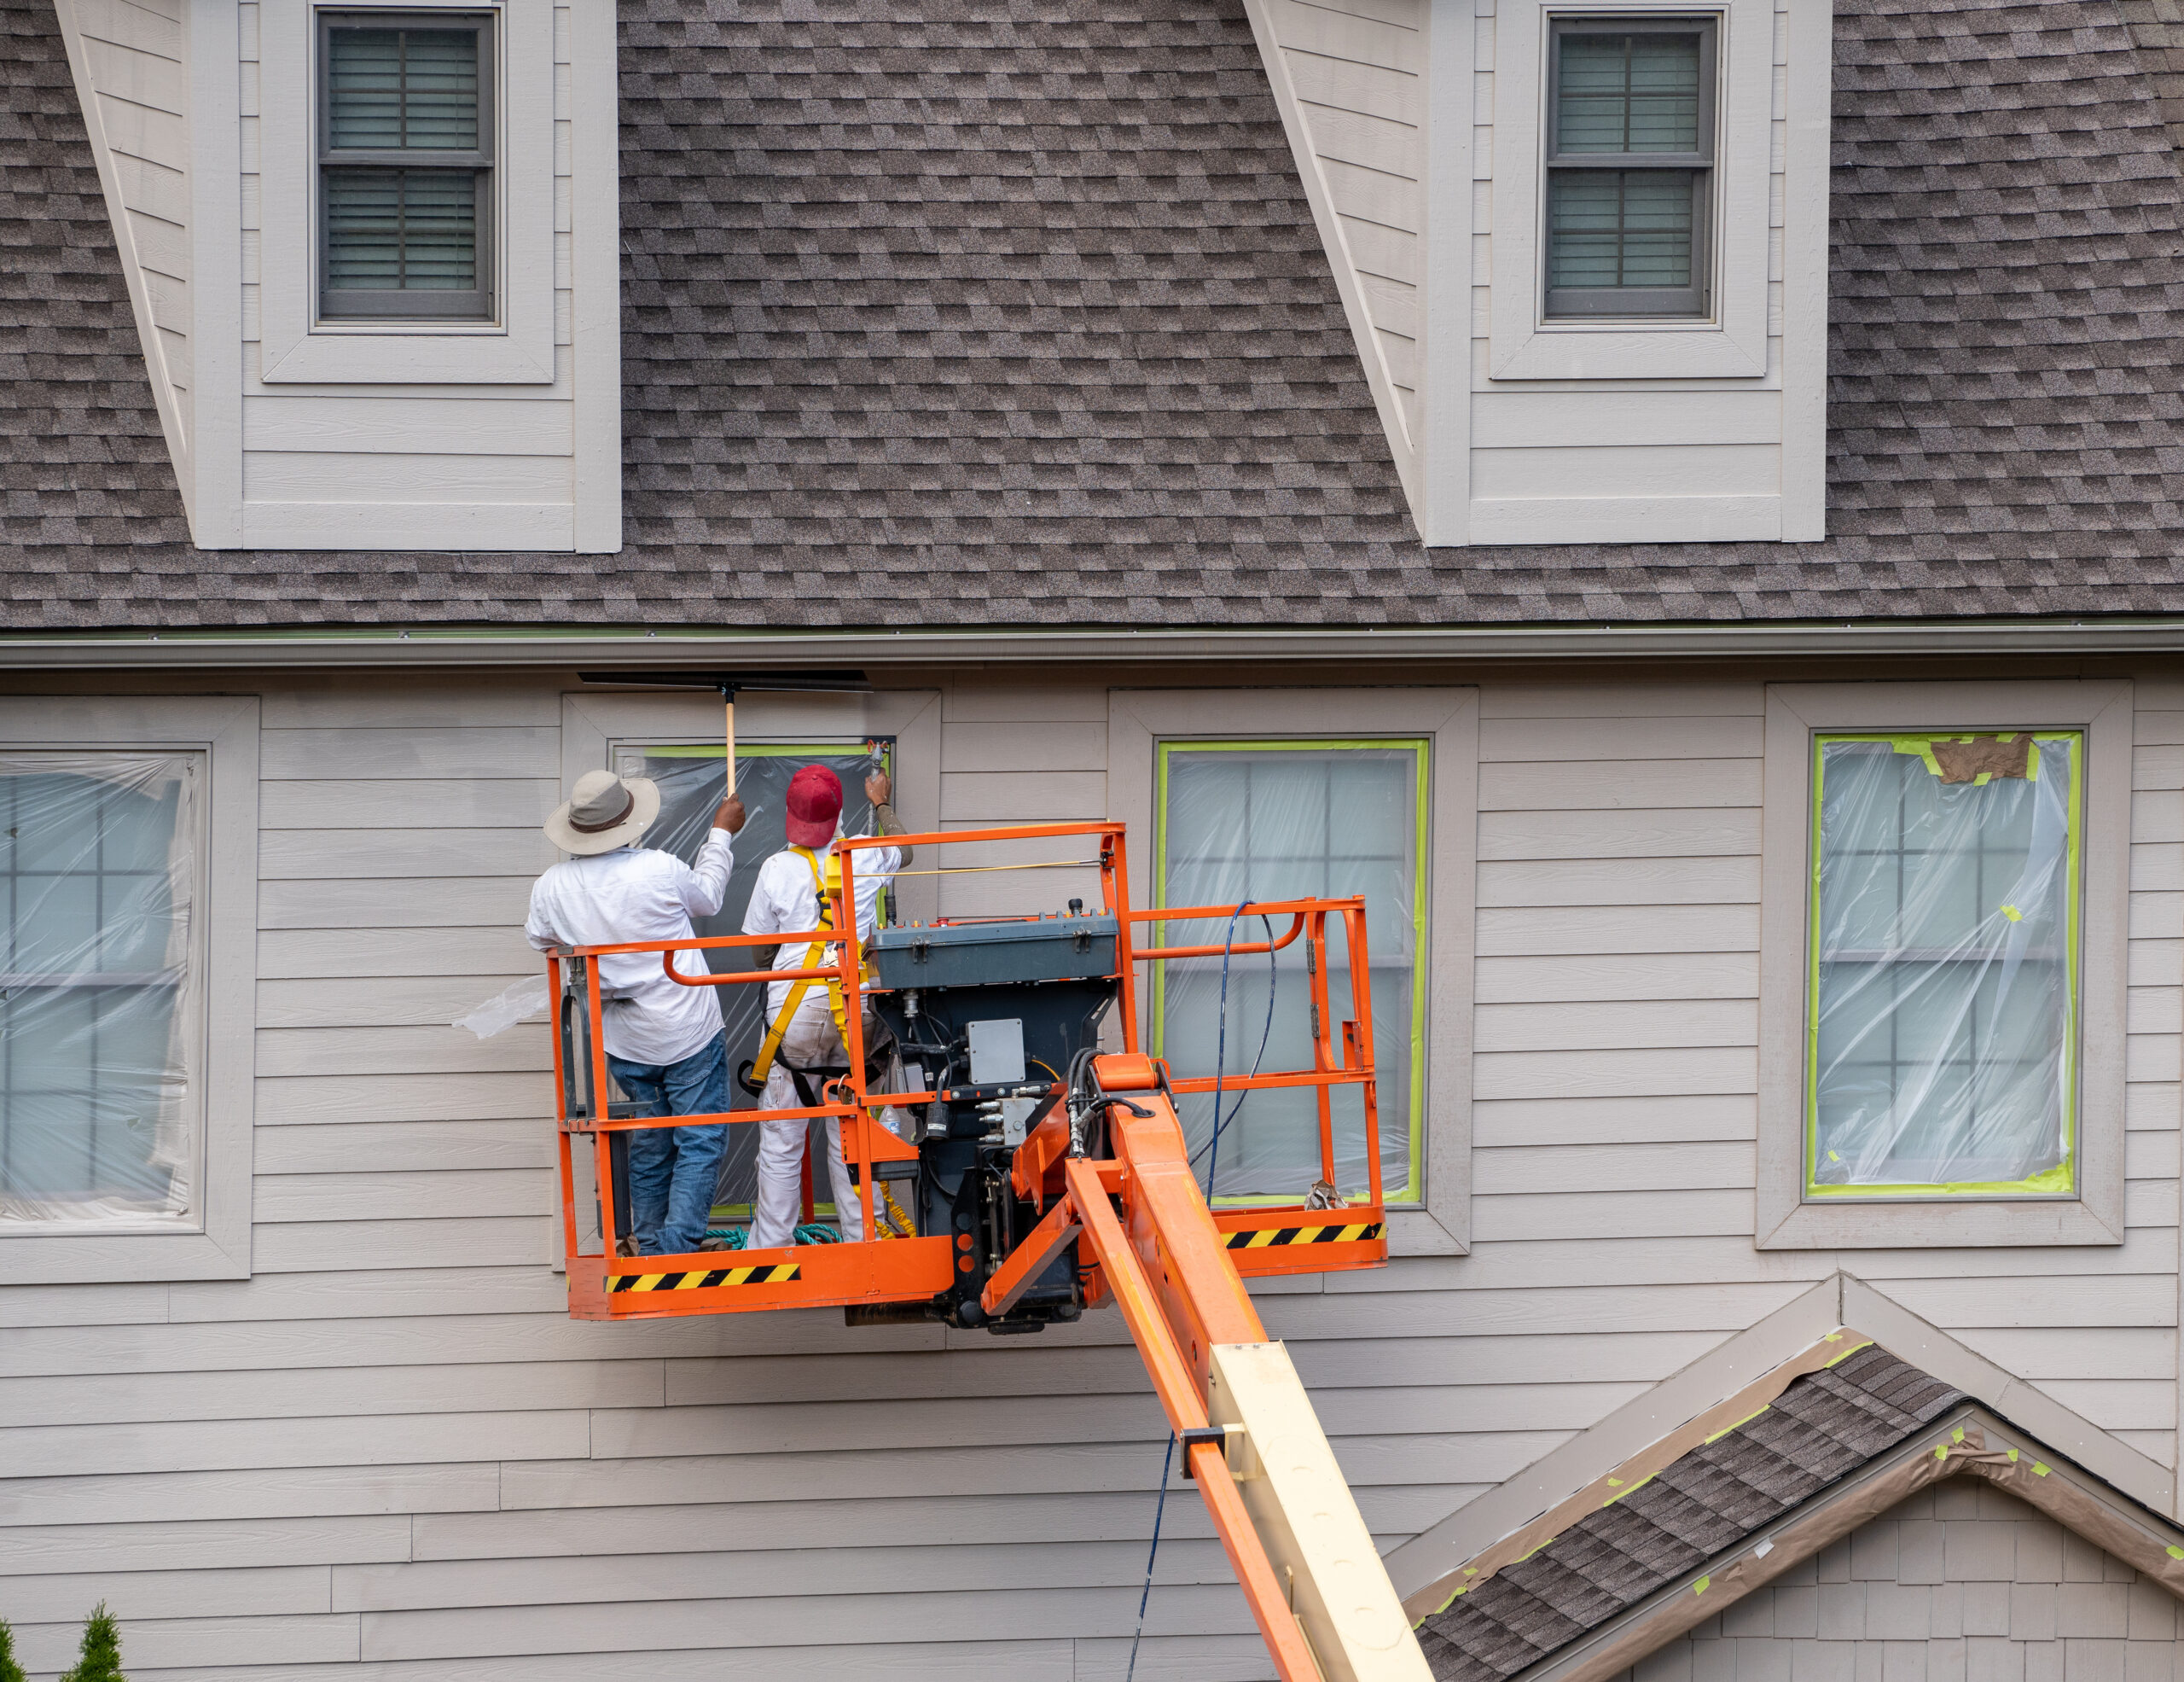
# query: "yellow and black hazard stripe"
[1267,1237]
[775,1273]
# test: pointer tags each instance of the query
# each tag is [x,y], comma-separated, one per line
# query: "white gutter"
[1025,645]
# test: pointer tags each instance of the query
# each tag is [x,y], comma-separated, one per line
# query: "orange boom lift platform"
[1034,1197]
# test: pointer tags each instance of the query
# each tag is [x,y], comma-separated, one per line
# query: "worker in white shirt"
[805,1026]
[663,1040]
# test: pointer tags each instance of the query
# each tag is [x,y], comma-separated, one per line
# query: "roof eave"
[319,647]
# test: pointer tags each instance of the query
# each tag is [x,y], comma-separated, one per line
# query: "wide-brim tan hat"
[606,811]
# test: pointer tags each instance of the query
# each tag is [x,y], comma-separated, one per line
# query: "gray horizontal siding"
[390,1457]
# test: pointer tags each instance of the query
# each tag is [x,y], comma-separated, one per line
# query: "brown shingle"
[961,313]
[1702,1504]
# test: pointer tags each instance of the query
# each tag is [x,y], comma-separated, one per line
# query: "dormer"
[373,254]
[1583,246]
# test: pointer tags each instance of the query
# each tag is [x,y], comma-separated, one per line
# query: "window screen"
[1280,820]
[691,782]
[405,153]
[1942,1005]
[98,862]
[1630,147]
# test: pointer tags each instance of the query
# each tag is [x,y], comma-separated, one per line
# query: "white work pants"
[811,1040]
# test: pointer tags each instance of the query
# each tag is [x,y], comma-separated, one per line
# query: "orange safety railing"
[1263,1239]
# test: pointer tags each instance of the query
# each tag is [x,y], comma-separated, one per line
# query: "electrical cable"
[1220,1050]
[1167,1460]
[1221,1057]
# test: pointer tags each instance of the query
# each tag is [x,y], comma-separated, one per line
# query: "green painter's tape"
[1412,1190]
[2059,1181]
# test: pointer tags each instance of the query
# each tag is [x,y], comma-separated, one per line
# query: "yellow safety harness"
[891,1221]
[828,889]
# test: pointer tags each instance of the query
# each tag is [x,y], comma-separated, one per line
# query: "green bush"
[99,1659]
[10,1670]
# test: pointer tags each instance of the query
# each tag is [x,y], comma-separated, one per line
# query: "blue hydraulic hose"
[1159,1507]
[1220,1059]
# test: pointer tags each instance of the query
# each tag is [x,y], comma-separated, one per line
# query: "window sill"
[1415,1231]
[1624,350]
[1927,1224]
[53,1257]
[412,353]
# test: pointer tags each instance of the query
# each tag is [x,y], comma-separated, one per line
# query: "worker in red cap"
[805,1025]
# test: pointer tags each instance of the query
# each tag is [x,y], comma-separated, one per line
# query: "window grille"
[405,178]
[1630,166]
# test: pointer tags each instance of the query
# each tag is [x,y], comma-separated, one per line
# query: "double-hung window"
[1631,141]
[100,986]
[1943,961]
[405,165]
[1277,820]
[1942,1006]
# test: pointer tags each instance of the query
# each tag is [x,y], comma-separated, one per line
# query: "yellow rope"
[979,869]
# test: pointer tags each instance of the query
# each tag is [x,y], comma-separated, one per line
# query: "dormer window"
[1630,166]
[405,165]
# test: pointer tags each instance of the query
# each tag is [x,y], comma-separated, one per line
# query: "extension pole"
[728,696]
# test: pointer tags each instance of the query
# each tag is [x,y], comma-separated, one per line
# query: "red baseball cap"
[815,803]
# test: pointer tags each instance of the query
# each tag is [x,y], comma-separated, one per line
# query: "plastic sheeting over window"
[1942,1005]
[691,782]
[99,987]
[1277,820]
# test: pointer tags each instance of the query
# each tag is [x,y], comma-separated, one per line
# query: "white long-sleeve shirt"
[784,902]
[639,894]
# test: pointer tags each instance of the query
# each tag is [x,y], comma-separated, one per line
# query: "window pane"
[1282,823]
[403,89]
[400,229]
[1628,93]
[1619,228]
[95,871]
[1944,966]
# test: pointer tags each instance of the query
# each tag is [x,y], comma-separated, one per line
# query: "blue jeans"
[673,1170]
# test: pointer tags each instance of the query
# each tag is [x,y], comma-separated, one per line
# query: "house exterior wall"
[387,1453]
[1962,1584]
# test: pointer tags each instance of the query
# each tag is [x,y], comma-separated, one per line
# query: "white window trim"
[1523,345]
[217,1245]
[1795,713]
[1138,719]
[515,349]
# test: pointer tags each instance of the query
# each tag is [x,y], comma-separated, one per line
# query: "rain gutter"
[1022,645]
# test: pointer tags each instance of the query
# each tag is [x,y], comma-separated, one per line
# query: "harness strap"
[769,1049]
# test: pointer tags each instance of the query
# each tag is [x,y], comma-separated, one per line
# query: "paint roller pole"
[728,696]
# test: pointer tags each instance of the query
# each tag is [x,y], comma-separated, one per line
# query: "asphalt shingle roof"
[1825,1425]
[1012,314]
